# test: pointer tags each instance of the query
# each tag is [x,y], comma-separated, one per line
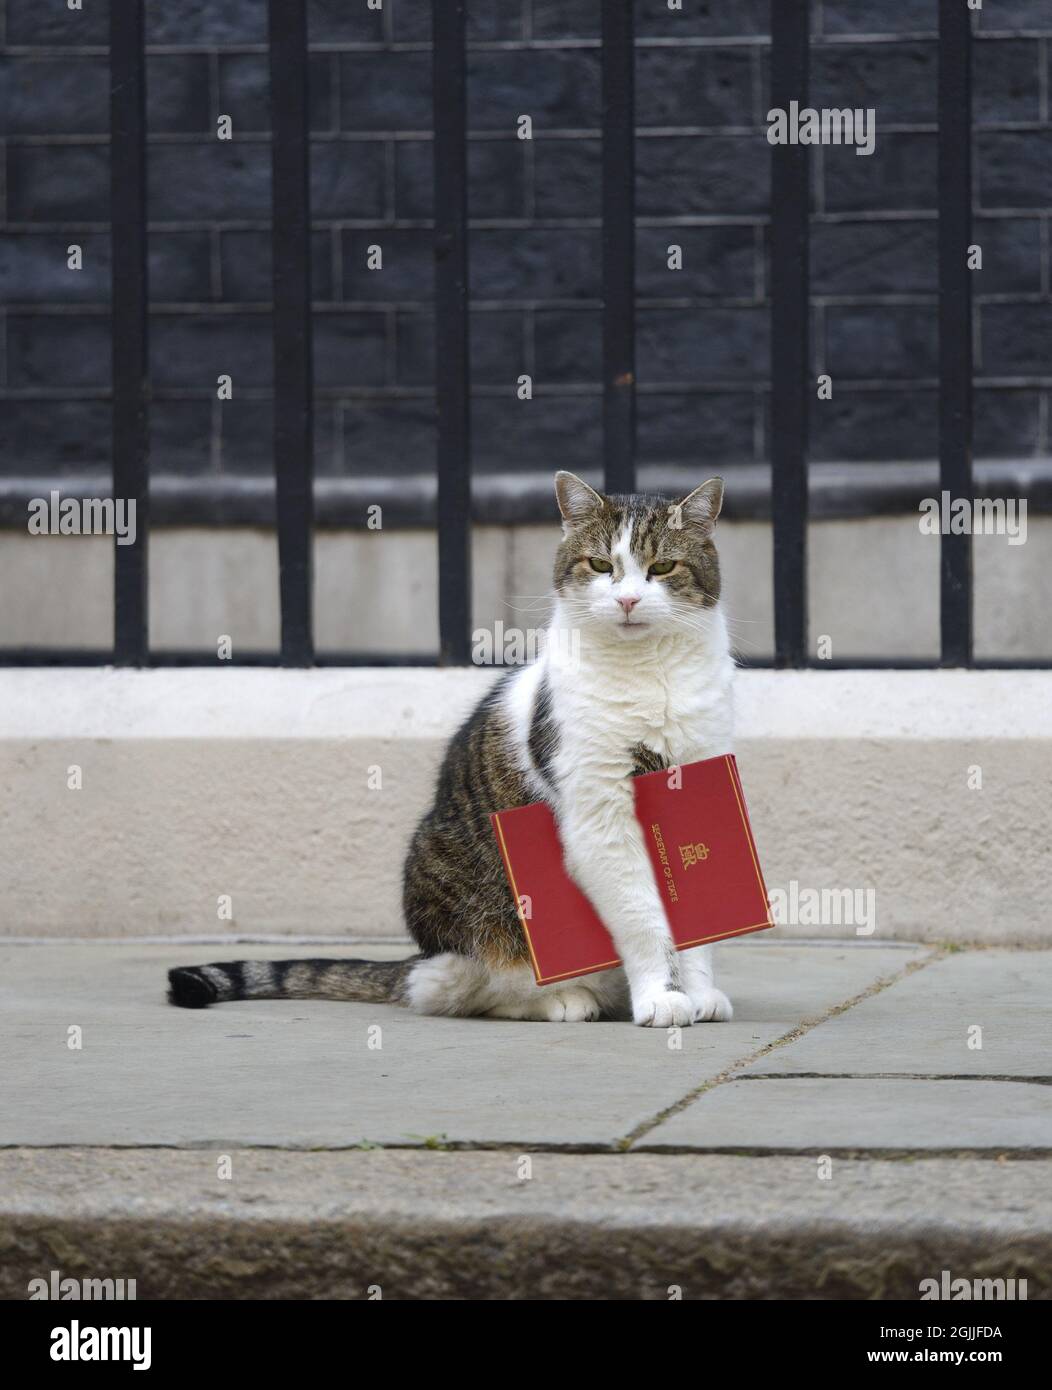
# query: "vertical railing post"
[790,336]
[452,366]
[293,386]
[130,353]
[619,250]
[955,323]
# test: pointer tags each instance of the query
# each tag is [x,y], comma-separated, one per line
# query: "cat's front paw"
[665,1008]
[711,1005]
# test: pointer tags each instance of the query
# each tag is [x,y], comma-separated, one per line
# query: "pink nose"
[628,603]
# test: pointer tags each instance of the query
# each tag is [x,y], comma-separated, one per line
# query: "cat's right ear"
[577,501]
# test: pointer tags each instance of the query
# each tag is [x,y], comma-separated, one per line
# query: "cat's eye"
[662,567]
[600,566]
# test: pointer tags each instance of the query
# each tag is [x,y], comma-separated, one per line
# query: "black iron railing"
[791,384]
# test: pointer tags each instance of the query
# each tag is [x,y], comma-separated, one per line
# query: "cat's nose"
[628,603]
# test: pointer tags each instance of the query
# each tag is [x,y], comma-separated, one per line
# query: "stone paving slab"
[819,1115]
[923,1025]
[475,1225]
[298,1074]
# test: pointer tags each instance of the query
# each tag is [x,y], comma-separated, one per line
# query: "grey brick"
[245,437]
[899,81]
[52,351]
[900,257]
[493,19]
[893,425]
[496,178]
[703,17]
[408,266]
[58,183]
[54,24]
[694,86]
[704,430]
[194,349]
[245,266]
[212,181]
[568,345]
[716,174]
[899,174]
[881,342]
[181,437]
[1014,169]
[512,435]
[896,257]
[244,91]
[567,177]
[347,180]
[207,22]
[701,344]
[33,268]
[1017,14]
[873,17]
[61,436]
[180,267]
[562,19]
[177,93]
[496,344]
[337,21]
[1006,85]
[412,20]
[1016,339]
[44,96]
[716,261]
[1011,254]
[1007,423]
[349,349]
[558,264]
[390,436]
[554,88]
[385,91]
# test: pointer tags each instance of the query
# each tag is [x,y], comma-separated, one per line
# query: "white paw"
[663,1009]
[573,1004]
[711,1006]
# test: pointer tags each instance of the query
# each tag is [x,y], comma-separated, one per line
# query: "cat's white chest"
[680,708]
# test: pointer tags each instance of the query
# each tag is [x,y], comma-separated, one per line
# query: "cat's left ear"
[700,508]
[577,501]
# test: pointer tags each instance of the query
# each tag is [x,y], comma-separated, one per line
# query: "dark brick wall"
[703,166]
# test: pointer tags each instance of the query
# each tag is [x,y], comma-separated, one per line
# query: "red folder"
[702,855]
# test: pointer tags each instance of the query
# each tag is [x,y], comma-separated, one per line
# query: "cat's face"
[637,566]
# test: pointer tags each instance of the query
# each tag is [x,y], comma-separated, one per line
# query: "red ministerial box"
[702,853]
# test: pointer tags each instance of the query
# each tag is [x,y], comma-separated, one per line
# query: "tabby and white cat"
[636,675]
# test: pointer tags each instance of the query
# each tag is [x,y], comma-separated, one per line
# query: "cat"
[636,675]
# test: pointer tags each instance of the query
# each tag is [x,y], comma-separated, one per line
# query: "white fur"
[661,677]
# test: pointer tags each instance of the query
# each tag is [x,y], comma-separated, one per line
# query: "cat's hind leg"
[463,986]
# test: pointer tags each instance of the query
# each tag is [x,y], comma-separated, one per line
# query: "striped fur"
[637,582]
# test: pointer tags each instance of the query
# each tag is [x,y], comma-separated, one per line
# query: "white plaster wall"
[253,783]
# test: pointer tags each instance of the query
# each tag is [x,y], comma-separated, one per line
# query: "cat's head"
[637,566]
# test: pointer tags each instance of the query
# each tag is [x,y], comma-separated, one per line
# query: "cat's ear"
[577,501]
[700,508]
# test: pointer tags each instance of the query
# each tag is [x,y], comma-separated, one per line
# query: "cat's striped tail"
[364,981]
